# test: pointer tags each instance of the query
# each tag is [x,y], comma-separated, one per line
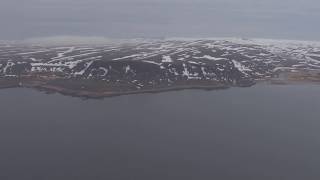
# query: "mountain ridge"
[151,65]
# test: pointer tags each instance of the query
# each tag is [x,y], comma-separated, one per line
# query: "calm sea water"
[260,133]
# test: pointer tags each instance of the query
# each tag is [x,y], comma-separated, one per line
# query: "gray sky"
[285,19]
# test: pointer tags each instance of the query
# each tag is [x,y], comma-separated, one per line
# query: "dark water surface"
[258,133]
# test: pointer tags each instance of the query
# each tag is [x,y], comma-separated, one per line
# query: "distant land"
[146,66]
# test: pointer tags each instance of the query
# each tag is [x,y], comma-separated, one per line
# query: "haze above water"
[276,19]
[263,132]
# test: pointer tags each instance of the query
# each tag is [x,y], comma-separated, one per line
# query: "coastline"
[101,95]
[91,89]
[106,94]
[100,89]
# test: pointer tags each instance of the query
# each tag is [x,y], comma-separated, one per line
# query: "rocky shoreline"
[101,89]
[104,91]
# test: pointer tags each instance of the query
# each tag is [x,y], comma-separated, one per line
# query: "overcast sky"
[285,19]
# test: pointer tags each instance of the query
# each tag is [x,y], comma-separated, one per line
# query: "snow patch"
[210,58]
[240,66]
[166,59]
